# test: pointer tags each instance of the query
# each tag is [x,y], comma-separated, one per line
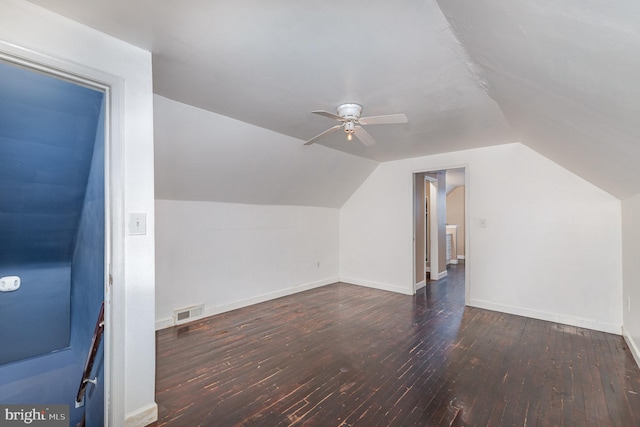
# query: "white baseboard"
[142,417]
[461,257]
[168,322]
[549,317]
[453,261]
[632,346]
[440,275]
[377,285]
[421,284]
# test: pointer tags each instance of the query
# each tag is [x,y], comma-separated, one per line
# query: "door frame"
[467,221]
[114,259]
[432,241]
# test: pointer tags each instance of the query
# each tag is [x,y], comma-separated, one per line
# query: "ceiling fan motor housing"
[350,111]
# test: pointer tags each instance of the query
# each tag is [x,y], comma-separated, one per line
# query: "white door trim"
[467,219]
[113,87]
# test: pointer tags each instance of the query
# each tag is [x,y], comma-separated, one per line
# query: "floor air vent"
[188,314]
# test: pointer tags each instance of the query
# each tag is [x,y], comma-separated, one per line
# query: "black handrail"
[93,351]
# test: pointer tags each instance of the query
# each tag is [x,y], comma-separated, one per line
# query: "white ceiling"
[560,77]
[232,167]
[567,77]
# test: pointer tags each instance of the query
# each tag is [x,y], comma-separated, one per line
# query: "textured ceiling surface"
[235,167]
[566,76]
[47,134]
[560,77]
[271,63]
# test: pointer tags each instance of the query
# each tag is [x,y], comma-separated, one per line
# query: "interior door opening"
[53,199]
[440,224]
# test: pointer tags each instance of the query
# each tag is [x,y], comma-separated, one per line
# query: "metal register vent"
[188,314]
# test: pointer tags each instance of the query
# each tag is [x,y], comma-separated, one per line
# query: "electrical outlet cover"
[9,283]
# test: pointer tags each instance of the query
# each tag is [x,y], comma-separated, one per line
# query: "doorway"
[53,198]
[441,206]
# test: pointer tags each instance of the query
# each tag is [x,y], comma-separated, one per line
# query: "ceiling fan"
[349,115]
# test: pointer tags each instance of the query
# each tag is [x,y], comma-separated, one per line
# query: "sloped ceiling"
[205,156]
[560,77]
[47,135]
[566,76]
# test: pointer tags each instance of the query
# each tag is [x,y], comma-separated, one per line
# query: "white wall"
[631,273]
[61,42]
[228,255]
[551,248]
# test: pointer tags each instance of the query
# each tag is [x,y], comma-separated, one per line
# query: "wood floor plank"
[344,355]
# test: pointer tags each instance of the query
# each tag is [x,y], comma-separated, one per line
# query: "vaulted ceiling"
[560,77]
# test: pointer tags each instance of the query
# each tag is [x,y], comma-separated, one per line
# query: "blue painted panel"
[87,277]
[36,317]
[87,280]
[47,133]
[49,379]
[94,397]
[29,162]
[21,86]
[51,213]
[22,122]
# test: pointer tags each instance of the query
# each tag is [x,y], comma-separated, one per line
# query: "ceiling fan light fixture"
[352,123]
[349,126]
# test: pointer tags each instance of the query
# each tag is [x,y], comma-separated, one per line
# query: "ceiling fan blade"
[364,136]
[383,120]
[328,114]
[326,132]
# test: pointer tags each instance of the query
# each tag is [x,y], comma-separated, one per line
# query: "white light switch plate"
[137,223]
[9,283]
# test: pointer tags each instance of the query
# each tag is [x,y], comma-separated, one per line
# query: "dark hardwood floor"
[344,355]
